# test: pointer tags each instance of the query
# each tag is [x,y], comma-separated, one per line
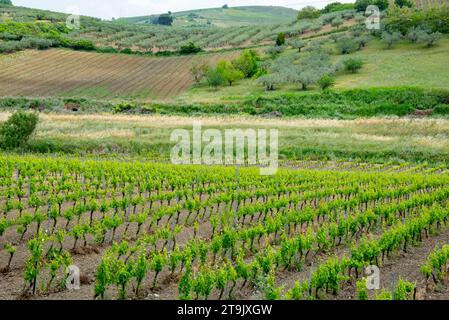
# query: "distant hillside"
[23,14]
[222,17]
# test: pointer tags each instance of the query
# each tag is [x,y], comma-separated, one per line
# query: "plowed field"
[84,74]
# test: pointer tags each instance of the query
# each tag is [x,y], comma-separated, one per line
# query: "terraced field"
[83,74]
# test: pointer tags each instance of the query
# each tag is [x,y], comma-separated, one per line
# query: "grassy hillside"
[23,14]
[406,64]
[233,16]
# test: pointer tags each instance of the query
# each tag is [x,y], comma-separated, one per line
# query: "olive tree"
[390,38]
[297,44]
[429,39]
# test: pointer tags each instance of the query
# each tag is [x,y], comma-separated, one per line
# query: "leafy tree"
[215,78]
[347,46]
[337,6]
[310,70]
[16,131]
[225,6]
[229,72]
[361,41]
[337,22]
[326,82]
[361,5]
[280,40]
[353,64]
[390,38]
[297,44]
[247,63]
[270,81]
[308,12]
[7,2]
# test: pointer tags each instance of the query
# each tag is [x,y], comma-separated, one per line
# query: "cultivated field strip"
[134,228]
[69,73]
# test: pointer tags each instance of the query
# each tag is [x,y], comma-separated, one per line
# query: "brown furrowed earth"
[67,73]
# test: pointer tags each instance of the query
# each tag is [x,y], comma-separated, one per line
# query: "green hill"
[222,17]
[23,14]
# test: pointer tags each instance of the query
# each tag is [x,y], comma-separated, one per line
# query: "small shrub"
[107,50]
[124,107]
[429,39]
[353,64]
[16,131]
[326,82]
[274,51]
[126,51]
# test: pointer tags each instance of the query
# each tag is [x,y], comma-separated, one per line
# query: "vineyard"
[146,230]
[70,73]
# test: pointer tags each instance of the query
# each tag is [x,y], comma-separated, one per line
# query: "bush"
[107,50]
[429,38]
[189,49]
[274,51]
[78,44]
[280,40]
[297,44]
[326,82]
[215,78]
[353,64]
[413,34]
[36,43]
[124,107]
[16,131]
[126,51]
[308,12]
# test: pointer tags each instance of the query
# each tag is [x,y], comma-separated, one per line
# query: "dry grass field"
[84,74]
